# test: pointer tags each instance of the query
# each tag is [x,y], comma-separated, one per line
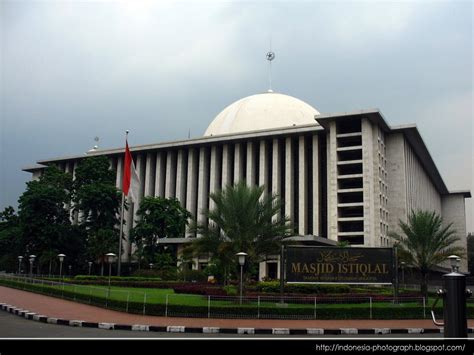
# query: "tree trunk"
[101,268]
[424,284]
[50,266]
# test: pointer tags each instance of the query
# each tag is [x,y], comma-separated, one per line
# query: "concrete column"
[160,174]
[331,154]
[251,173]
[215,174]
[263,173]
[170,184]
[238,162]
[227,162]
[150,169]
[276,172]
[191,191]
[316,183]
[67,169]
[370,179]
[75,214]
[181,177]
[119,175]
[302,188]
[289,181]
[203,179]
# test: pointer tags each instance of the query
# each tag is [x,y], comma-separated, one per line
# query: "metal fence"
[155,302]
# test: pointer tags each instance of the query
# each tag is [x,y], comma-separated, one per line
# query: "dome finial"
[270,57]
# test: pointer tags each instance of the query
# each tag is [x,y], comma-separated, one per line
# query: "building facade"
[342,177]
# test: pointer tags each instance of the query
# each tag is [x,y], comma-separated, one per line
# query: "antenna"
[270,57]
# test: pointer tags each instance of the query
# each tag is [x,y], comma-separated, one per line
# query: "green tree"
[243,219]
[98,201]
[45,225]
[158,218]
[470,252]
[425,243]
[10,241]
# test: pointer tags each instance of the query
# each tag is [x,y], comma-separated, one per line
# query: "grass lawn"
[159,296]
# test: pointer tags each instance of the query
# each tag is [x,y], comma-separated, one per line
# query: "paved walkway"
[63,309]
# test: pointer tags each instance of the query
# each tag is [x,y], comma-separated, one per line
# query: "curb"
[217,330]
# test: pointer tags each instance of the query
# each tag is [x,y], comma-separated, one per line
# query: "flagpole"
[119,259]
[121,236]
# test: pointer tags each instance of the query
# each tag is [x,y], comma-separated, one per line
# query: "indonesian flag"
[131,183]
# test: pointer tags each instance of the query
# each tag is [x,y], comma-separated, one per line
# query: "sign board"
[339,265]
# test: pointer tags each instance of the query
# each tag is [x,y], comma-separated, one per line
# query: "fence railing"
[161,303]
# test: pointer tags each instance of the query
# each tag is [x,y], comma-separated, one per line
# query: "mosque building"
[342,176]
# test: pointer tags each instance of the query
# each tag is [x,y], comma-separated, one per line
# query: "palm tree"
[243,219]
[425,242]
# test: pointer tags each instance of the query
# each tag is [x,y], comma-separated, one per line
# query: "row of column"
[191,174]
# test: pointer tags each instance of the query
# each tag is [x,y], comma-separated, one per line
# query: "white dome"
[260,112]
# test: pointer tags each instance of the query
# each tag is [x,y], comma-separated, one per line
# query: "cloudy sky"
[73,70]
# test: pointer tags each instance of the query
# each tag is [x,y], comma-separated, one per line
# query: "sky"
[71,71]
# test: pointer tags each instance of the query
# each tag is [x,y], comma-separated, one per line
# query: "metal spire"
[270,57]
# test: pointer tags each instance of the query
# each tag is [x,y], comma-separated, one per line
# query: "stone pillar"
[263,173]
[215,173]
[203,179]
[227,162]
[302,188]
[150,169]
[181,177]
[160,174]
[238,162]
[276,173]
[289,180]
[316,185]
[191,191]
[251,173]
[170,184]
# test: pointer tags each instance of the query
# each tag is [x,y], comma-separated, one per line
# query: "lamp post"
[453,261]
[402,265]
[110,260]
[32,260]
[90,266]
[241,256]
[61,259]
[454,296]
[70,270]
[20,259]
[151,266]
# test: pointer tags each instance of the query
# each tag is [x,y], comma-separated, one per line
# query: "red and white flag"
[131,183]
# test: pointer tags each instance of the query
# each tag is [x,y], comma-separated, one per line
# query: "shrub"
[274,287]
[230,290]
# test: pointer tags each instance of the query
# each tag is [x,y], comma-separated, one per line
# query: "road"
[12,326]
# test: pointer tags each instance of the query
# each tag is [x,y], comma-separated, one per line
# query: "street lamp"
[151,266]
[20,259]
[110,260]
[90,266]
[61,259]
[402,265]
[241,256]
[458,263]
[70,272]
[453,262]
[32,260]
